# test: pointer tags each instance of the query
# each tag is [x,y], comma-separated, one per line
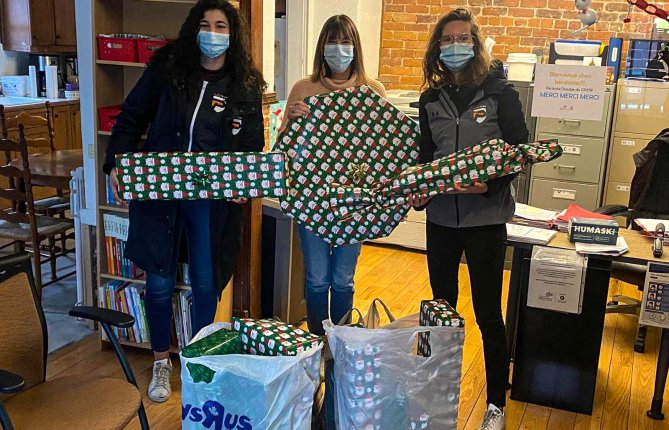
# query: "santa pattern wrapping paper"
[480,163]
[353,137]
[200,175]
[436,313]
[271,337]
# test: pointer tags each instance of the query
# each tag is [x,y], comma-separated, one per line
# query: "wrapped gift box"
[352,137]
[436,313]
[221,342]
[270,337]
[206,175]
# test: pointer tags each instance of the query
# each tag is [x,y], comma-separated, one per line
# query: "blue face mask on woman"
[338,57]
[213,45]
[456,56]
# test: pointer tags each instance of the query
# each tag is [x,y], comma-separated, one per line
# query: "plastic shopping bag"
[381,383]
[250,392]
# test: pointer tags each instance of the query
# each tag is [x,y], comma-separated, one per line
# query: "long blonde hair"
[435,74]
[339,26]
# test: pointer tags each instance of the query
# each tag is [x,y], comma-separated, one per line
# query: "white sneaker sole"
[159,399]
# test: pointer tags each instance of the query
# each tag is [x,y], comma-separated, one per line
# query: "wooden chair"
[23,227]
[66,402]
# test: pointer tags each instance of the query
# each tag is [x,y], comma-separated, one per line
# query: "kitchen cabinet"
[66,126]
[38,26]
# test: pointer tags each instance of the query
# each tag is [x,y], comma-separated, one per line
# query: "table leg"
[655,411]
[520,255]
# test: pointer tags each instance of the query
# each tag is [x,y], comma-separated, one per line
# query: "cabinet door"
[65,24]
[42,28]
[61,127]
[75,127]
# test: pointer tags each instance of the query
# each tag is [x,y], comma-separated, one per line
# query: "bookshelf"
[111,81]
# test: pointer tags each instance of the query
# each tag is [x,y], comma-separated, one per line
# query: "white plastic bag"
[381,384]
[250,392]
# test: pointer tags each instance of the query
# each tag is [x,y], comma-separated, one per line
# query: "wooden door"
[64,22]
[43,32]
[61,127]
[15,25]
[75,127]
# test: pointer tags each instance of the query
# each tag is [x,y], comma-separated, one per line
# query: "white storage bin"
[521,67]
[15,86]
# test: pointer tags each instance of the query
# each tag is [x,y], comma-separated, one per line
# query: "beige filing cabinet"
[577,176]
[642,110]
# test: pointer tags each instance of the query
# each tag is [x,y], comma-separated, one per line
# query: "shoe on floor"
[159,388]
[493,419]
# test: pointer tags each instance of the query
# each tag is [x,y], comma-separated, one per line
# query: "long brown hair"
[339,26]
[435,74]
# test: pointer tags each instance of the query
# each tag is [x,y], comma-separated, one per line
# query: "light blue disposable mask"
[338,57]
[456,56]
[212,44]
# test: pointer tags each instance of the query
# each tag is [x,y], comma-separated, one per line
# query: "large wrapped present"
[220,342]
[479,163]
[201,175]
[436,313]
[271,337]
[353,137]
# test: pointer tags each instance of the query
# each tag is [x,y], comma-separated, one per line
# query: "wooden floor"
[399,277]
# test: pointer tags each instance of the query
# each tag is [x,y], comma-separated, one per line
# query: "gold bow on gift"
[357,172]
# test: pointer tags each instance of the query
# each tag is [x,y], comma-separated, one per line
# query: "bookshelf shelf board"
[120,63]
[111,208]
[121,278]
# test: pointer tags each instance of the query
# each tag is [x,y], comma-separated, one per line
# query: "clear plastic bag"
[250,392]
[381,384]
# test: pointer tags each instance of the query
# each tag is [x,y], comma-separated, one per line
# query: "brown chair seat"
[54,203]
[46,226]
[75,403]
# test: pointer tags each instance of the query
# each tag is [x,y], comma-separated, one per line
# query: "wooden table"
[556,354]
[52,169]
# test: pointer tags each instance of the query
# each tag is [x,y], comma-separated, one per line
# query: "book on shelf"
[182,304]
[116,235]
[110,191]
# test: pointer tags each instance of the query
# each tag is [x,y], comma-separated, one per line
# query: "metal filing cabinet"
[577,176]
[642,109]
[521,182]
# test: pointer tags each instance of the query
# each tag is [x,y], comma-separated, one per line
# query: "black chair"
[69,402]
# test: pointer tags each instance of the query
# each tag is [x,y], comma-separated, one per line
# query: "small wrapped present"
[480,163]
[202,175]
[352,137]
[221,342]
[436,313]
[271,337]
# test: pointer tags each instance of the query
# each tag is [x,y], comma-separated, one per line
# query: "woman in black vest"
[466,102]
[200,93]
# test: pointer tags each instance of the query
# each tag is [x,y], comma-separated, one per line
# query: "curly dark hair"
[179,61]
[435,74]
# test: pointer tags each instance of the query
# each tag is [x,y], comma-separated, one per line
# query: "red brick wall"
[516,26]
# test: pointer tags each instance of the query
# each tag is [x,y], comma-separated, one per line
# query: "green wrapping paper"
[221,342]
[270,337]
[353,137]
[436,313]
[202,175]
[480,163]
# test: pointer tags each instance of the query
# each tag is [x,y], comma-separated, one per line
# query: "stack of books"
[533,217]
[128,298]
[116,235]
[182,305]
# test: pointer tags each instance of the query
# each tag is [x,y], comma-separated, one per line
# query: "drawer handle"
[562,166]
[570,121]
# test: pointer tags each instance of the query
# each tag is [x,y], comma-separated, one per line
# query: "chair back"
[19,191]
[23,333]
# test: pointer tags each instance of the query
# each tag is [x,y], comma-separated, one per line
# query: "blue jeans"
[193,216]
[329,272]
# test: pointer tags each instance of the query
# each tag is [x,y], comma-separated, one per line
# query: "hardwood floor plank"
[643,381]
[561,420]
[535,418]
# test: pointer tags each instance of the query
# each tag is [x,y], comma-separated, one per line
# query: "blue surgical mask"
[456,56]
[213,45]
[338,57]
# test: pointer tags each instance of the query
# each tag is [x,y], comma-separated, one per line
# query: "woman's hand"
[298,109]
[114,185]
[239,201]
[477,188]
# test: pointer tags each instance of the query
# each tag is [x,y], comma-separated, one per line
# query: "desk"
[556,355]
[52,169]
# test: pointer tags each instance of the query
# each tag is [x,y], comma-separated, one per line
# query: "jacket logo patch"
[218,102]
[480,114]
[236,126]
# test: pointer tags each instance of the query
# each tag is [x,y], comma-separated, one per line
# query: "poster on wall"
[569,92]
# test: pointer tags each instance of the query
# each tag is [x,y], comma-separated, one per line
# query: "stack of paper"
[533,216]
[650,225]
[575,211]
[522,233]
[594,248]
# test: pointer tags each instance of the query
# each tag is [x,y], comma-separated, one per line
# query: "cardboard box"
[589,230]
[556,280]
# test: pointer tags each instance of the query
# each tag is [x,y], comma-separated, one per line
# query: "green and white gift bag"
[200,175]
[353,137]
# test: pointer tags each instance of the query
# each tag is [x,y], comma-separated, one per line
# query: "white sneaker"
[159,388]
[493,419]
